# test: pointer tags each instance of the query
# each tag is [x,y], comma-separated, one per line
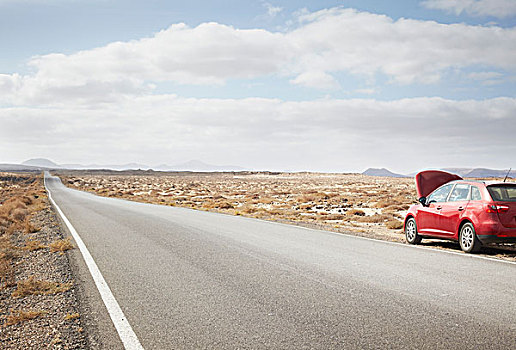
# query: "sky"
[332,86]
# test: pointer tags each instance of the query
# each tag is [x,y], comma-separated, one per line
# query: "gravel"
[51,329]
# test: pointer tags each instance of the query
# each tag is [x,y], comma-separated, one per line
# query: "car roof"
[491,183]
[485,183]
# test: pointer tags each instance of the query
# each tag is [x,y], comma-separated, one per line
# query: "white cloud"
[324,42]
[272,11]
[487,78]
[494,8]
[484,75]
[268,133]
[316,79]
[366,91]
[406,50]
[207,54]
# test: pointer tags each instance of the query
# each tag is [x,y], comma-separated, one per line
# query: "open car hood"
[427,181]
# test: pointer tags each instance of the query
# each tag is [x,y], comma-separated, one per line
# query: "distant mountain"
[128,166]
[482,172]
[459,171]
[197,165]
[193,165]
[381,172]
[41,162]
[19,167]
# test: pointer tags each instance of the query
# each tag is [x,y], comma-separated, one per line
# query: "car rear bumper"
[496,239]
[494,232]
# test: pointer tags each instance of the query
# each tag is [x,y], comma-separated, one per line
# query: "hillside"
[381,172]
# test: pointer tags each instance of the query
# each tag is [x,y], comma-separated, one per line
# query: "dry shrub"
[397,207]
[28,227]
[19,214]
[305,199]
[276,211]
[397,201]
[4,222]
[394,224]
[224,205]
[32,286]
[355,212]
[26,200]
[265,200]
[340,200]
[7,278]
[247,209]
[33,244]
[71,316]
[382,203]
[9,252]
[394,214]
[61,245]
[208,205]
[376,218]
[335,217]
[17,316]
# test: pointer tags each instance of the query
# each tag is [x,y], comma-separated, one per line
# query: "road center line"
[124,329]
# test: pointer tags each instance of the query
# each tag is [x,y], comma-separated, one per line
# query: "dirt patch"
[37,289]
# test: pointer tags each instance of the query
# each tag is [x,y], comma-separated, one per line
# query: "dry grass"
[394,224]
[28,227]
[61,245]
[7,277]
[17,316]
[355,212]
[21,195]
[31,286]
[19,214]
[375,218]
[72,316]
[33,244]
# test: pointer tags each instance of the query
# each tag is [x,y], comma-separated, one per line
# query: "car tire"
[411,234]
[468,239]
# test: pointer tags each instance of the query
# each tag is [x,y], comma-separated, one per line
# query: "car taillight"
[492,208]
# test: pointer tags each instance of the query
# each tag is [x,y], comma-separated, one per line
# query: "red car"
[470,212]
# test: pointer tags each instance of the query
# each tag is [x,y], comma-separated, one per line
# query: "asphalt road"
[191,279]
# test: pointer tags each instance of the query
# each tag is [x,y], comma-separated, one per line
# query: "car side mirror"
[422,200]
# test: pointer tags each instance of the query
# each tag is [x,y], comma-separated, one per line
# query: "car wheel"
[468,239]
[411,234]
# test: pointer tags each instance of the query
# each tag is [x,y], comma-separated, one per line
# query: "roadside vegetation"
[36,285]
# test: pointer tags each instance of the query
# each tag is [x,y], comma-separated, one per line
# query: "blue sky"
[412,64]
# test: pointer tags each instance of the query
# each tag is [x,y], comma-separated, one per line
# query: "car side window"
[475,194]
[460,193]
[440,194]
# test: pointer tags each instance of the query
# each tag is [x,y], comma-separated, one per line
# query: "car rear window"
[503,193]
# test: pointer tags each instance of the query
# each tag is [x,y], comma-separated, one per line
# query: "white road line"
[124,329]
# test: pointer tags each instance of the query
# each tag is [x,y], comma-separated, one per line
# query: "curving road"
[191,279]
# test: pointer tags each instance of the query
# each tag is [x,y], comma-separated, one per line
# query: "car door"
[453,208]
[428,218]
